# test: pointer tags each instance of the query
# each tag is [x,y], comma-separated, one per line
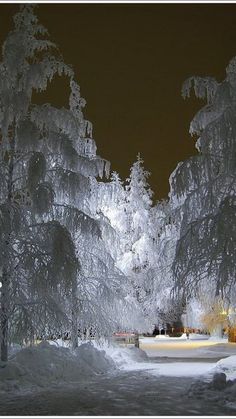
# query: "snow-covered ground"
[103,379]
[187,348]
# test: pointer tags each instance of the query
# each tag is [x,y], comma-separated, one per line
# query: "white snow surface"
[218,349]
[47,363]
[227,366]
[125,358]
[192,336]
[183,369]
[41,365]
[182,347]
[220,391]
[134,359]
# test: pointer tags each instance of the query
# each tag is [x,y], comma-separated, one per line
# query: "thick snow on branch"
[204,87]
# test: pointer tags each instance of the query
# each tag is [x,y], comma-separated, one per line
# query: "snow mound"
[44,364]
[10,374]
[96,359]
[220,385]
[137,354]
[227,366]
[123,357]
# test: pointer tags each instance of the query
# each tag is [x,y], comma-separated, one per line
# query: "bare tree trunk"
[5,273]
[4,316]
[136,340]
[74,327]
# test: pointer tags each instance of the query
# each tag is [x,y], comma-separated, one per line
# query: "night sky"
[130,61]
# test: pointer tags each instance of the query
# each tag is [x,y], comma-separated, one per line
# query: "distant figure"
[187,334]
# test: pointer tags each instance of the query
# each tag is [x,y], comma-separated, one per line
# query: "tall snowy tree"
[138,204]
[166,226]
[109,208]
[73,176]
[37,256]
[57,257]
[128,207]
[48,158]
[204,189]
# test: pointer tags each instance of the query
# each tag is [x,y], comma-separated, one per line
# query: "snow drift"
[125,356]
[45,364]
[220,385]
[228,367]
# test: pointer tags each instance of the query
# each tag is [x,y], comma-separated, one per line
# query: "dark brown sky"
[130,61]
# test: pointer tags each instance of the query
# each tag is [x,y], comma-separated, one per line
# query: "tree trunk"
[6,271]
[74,326]
[4,316]
[136,340]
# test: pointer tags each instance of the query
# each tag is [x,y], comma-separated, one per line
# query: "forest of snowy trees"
[82,250]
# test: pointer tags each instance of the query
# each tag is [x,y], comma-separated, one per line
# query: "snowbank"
[44,364]
[50,363]
[96,359]
[123,357]
[220,385]
[227,366]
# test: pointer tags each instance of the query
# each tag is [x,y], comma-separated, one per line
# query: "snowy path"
[154,386]
[123,393]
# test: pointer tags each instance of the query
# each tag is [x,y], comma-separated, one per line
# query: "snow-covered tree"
[214,314]
[110,209]
[48,158]
[165,224]
[37,256]
[128,209]
[204,189]
[137,209]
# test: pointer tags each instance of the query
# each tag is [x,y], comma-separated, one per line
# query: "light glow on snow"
[178,347]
